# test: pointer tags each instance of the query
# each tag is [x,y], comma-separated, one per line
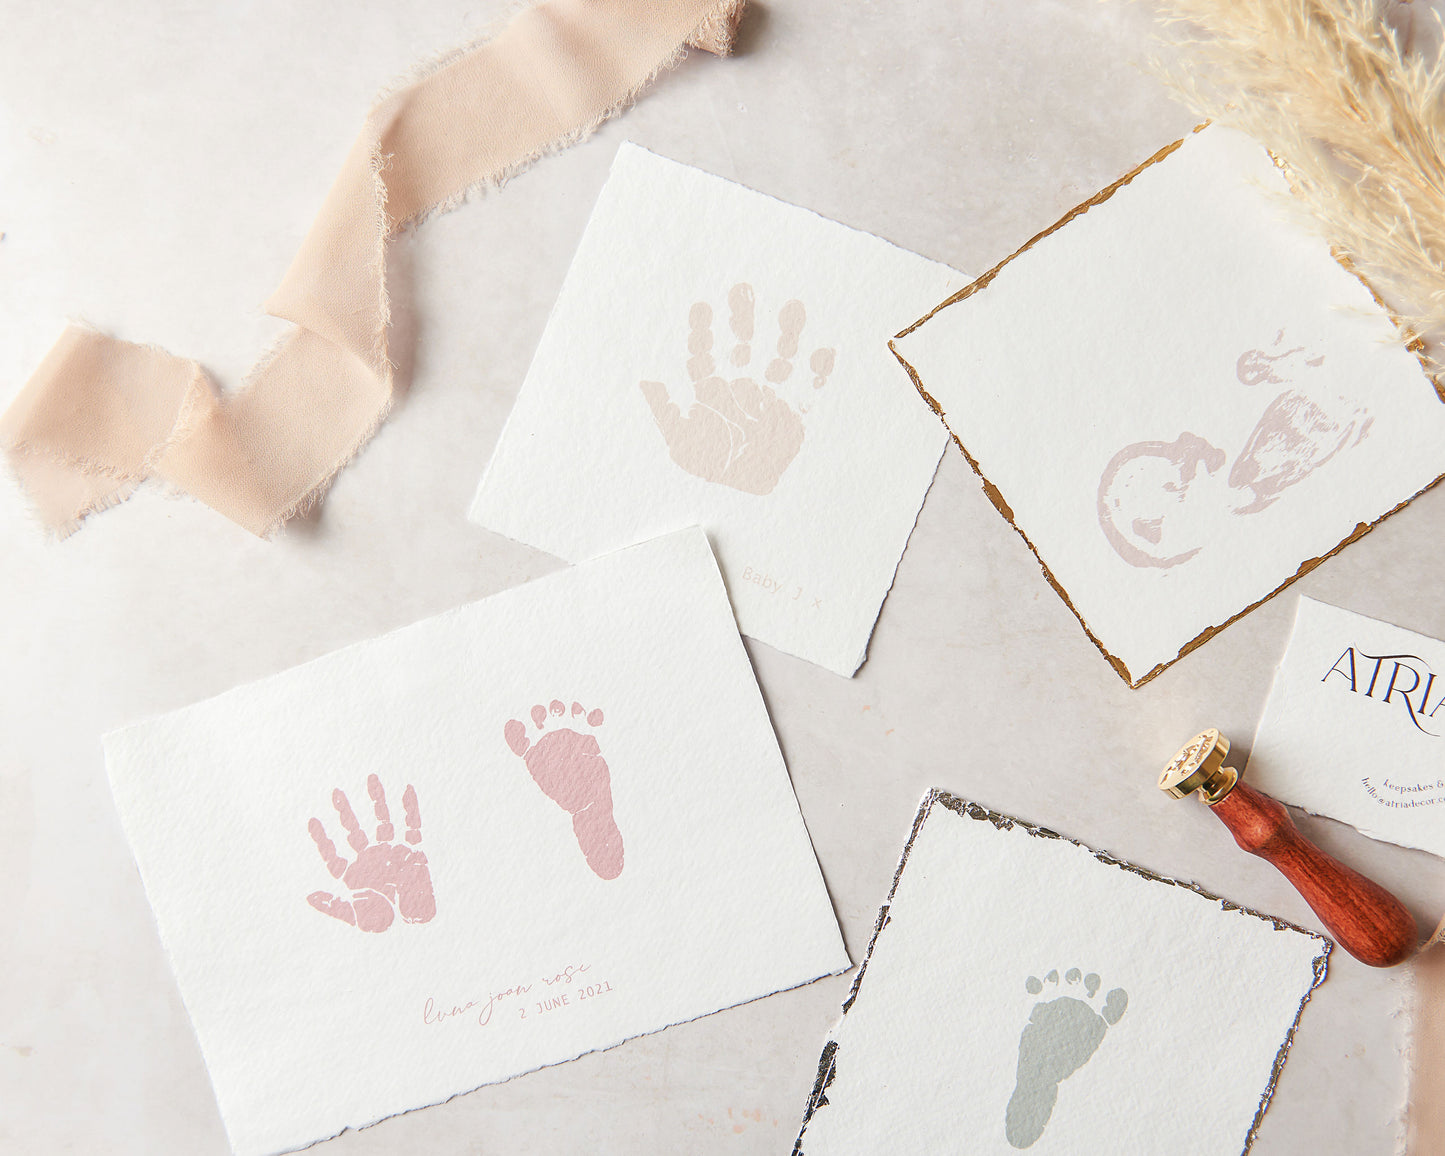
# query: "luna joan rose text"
[547,995]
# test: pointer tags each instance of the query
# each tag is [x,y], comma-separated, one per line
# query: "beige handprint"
[739,433]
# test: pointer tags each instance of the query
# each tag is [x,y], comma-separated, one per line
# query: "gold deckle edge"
[995,495]
[1077,211]
[1415,344]
[1413,340]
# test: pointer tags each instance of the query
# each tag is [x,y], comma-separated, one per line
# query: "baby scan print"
[1160,502]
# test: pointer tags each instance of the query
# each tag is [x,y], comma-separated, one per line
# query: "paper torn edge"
[892,575]
[855,660]
[1411,342]
[599,1048]
[828,1060]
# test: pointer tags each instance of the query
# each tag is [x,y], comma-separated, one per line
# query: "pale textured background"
[159,163]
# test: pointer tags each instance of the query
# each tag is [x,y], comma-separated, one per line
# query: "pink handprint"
[384,875]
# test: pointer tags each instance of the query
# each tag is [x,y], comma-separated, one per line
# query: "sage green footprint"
[1061,1036]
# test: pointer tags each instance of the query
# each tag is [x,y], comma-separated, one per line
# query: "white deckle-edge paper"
[523,938]
[718,357]
[1024,992]
[1183,398]
[1354,728]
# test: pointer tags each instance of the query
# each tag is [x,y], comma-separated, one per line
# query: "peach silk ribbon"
[99,415]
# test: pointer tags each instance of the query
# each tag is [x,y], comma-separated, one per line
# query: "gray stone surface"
[158,166]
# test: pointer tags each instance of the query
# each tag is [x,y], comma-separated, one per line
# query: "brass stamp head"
[1199,766]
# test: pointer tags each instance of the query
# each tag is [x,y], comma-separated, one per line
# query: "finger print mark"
[413,814]
[354,834]
[821,363]
[334,862]
[740,302]
[383,815]
[791,319]
[699,341]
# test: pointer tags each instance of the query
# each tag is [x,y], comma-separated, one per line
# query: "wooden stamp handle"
[1366,920]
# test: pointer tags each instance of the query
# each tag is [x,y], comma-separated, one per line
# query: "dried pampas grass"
[1354,115]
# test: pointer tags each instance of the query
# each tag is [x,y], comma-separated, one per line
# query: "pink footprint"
[568,765]
[384,875]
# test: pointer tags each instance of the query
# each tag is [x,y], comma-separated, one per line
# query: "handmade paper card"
[1023,992]
[719,358]
[529,828]
[1180,399]
[1355,727]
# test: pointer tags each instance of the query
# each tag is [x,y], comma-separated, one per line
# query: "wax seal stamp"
[1199,766]
[1365,919]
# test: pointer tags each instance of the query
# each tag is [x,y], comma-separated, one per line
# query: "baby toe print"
[737,432]
[384,878]
[1063,1033]
[567,764]
[821,363]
